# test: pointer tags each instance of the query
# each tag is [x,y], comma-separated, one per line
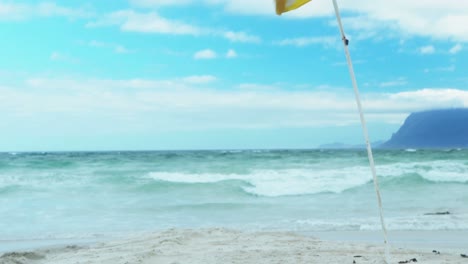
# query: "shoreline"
[447,240]
[219,245]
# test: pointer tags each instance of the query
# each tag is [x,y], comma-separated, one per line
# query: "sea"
[73,196]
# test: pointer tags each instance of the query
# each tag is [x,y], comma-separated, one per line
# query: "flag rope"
[365,131]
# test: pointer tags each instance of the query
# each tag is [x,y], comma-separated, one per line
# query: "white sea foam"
[449,222]
[413,222]
[318,180]
[279,182]
[43,180]
[436,171]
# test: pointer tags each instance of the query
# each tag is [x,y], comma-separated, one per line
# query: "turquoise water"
[84,195]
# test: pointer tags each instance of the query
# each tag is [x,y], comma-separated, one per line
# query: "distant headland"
[447,128]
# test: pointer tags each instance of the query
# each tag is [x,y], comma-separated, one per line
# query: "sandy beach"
[226,246]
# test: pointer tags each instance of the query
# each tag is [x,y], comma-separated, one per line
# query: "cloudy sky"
[221,74]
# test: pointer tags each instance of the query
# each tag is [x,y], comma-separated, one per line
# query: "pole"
[364,129]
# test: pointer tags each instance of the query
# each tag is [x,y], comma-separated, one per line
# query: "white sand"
[224,246]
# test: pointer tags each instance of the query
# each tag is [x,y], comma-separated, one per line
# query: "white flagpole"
[364,129]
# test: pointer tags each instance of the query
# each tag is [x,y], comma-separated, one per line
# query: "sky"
[221,74]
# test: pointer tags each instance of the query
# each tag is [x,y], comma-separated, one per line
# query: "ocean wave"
[406,180]
[289,179]
[305,181]
[434,171]
[228,188]
[274,182]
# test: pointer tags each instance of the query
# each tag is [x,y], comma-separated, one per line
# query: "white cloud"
[455,49]
[159,3]
[49,9]
[306,41]
[121,49]
[443,20]
[398,82]
[55,55]
[176,104]
[427,50]
[117,48]
[450,68]
[17,11]
[205,54]
[241,37]
[86,85]
[257,87]
[246,7]
[231,54]
[132,21]
[95,43]
[10,11]
[432,98]
[200,79]
[59,56]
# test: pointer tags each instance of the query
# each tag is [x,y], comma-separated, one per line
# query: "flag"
[283,6]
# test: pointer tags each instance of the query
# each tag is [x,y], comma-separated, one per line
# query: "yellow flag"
[283,6]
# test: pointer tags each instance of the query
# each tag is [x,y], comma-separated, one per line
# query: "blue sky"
[221,74]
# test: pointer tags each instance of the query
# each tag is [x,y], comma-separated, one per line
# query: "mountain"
[446,128]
